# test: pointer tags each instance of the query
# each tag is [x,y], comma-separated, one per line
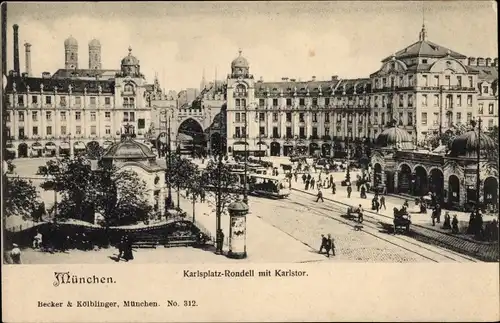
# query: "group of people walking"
[327,244]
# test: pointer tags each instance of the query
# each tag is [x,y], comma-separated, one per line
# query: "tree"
[114,193]
[19,196]
[221,183]
[434,139]
[181,173]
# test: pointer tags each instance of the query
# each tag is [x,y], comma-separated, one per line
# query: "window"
[241,89]
[275,132]
[436,80]
[384,81]
[78,100]
[302,132]
[339,118]
[132,117]
[34,116]
[485,89]
[301,117]
[34,99]
[93,130]
[107,100]
[78,130]
[243,117]
[107,130]
[237,103]
[382,116]
[315,102]
[129,88]
[237,117]
[78,115]
[63,115]
[92,100]
[92,116]
[48,100]
[436,118]
[315,117]
[48,115]
[327,117]
[375,101]
[400,121]
[424,118]
[490,108]
[469,117]
[469,100]
[289,132]
[262,131]
[49,131]
[327,101]
[288,117]
[471,81]
[141,123]
[288,102]
[424,61]
[383,101]
[125,116]
[436,100]
[20,116]
[401,100]
[459,100]
[21,132]
[327,131]
[401,81]
[262,116]
[63,130]
[459,117]
[480,108]
[35,131]
[275,117]
[107,115]
[375,117]
[20,100]
[410,119]
[426,80]
[410,100]
[62,101]
[459,81]
[447,79]
[490,123]
[275,102]
[315,132]
[261,102]
[244,132]
[302,102]
[410,80]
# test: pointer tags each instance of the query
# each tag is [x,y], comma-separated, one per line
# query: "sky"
[180,40]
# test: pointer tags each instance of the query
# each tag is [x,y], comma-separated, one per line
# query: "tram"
[268,186]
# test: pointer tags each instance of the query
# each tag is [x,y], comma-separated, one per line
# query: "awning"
[50,147]
[64,145]
[79,145]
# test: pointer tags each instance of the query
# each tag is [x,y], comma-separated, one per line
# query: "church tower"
[95,55]
[70,53]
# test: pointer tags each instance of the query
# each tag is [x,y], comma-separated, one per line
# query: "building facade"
[75,108]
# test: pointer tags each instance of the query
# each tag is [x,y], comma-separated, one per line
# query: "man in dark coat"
[323,243]
[319,196]
[328,245]
[349,191]
[334,188]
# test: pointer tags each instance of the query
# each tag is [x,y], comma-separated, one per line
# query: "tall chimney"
[16,49]
[27,47]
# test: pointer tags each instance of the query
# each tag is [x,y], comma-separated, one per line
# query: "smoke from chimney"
[16,48]
[27,48]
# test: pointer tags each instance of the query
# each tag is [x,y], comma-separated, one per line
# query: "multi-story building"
[75,108]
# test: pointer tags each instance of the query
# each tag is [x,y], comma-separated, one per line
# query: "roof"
[467,144]
[393,137]
[327,87]
[240,61]
[128,149]
[84,73]
[62,85]
[425,48]
[486,73]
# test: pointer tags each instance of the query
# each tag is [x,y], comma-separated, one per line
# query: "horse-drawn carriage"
[402,219]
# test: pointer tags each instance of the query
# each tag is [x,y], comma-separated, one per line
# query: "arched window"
[128,88]
[241,89]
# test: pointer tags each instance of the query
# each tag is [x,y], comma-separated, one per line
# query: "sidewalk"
[421,223]
[265,243]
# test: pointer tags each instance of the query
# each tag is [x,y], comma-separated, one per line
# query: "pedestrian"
[128,254]
[309,177]
[320,185]
[382,202]
[121,248]
[304,177]
[360,214]
[37,240]
[323,243]
[328,246]
[334,188]
[363,192]
[307,185]
[295,176]
[15,254]
[447,221]
[312,182]
[319,196]
[454,224]
[438,213]
[333,246]
[349,191]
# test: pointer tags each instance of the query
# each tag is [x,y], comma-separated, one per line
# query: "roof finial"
[129,50]
[423,32]
[239,51]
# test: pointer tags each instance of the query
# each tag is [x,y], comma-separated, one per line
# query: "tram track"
[333,211]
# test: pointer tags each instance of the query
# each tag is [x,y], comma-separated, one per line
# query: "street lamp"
[168,160]
[245,195]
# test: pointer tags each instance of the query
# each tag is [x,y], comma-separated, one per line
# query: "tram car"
[402,220]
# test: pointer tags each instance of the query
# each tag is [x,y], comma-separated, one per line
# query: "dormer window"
[424,61]
[128,88]
[485,90]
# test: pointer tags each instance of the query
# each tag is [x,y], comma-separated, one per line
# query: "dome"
[391,137]
[466,144]
[130,59]
[128,149]
[95,43]
[237,206]
[70,41]
[240,62]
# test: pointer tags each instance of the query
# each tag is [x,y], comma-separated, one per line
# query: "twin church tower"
[71,54]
